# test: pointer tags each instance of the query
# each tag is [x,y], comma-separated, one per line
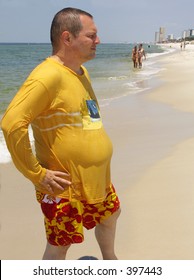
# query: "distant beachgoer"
[135,57]
[70,168]
[181,46]
[141,54]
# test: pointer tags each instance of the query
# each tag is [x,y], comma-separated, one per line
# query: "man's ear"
[66,37]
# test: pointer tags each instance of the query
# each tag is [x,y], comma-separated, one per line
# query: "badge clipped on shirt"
[93,119]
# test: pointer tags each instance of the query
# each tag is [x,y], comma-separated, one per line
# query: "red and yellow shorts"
[64,220]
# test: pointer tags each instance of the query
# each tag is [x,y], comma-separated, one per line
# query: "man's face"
[84,45]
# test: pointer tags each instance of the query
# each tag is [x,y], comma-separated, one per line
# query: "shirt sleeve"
[31,100]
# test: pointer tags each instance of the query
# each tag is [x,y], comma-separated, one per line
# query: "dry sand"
[152,169]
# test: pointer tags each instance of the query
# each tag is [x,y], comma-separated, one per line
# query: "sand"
[152,169]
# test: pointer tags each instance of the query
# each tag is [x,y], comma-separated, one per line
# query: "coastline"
[153,137]
[160,202]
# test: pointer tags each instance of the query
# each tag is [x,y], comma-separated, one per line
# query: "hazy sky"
[117,20]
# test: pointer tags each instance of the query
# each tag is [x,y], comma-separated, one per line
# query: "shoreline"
[153,136]
[185,80]
[160,201]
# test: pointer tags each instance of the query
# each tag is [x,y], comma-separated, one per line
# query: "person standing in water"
[141,54]
[135,56]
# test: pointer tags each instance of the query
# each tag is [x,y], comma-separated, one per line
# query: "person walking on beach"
[141,54]
[71,165]
[181,46]
[135,56]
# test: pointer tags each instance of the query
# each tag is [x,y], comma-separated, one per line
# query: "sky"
[118,21]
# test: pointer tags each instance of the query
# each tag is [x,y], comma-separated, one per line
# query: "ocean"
[112,72]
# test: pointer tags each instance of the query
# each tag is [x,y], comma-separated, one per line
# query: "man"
[71,167]
[141,54]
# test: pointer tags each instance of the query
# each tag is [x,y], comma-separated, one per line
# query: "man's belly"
[77,146]
[87,148]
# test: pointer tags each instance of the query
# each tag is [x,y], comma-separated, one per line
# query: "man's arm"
[31,100]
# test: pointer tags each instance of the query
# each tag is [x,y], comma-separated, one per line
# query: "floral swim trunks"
[64,220]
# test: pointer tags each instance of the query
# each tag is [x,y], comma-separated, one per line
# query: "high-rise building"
[188,33]
[192,32]
[184,34]
[170,37]
[162,34]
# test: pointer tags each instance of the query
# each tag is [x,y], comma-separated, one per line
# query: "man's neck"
[66,61]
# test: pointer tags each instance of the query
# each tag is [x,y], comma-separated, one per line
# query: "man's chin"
[91,56]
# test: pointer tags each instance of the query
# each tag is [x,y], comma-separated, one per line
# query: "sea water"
[112,72]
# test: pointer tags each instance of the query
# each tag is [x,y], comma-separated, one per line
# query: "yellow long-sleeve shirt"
[68,132]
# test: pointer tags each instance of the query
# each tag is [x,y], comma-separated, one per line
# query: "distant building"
[170,37]
[161,34]
[192,32]
[184,34]
[187,34]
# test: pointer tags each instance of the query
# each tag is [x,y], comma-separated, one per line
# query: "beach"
[152,170]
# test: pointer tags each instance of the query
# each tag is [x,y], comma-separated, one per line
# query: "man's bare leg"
[55,252]
[105,235]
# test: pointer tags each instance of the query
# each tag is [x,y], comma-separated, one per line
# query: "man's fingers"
[53,187]
[60,173]
[55,181]
[61,181]
[58,177]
